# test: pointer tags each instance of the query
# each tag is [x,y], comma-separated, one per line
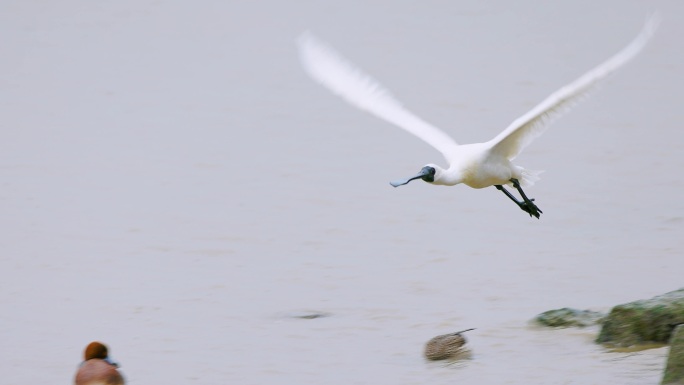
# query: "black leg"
[527,205]
[508,194]
[516,184]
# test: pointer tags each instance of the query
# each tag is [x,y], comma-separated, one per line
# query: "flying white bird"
[477,165]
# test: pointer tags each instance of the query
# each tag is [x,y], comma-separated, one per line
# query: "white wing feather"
[526,128]
[343,78]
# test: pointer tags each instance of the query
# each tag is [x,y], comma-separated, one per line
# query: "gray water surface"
[174,185]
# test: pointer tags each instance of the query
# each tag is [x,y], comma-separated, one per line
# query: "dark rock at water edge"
[308,314]
[567,317]
[644,321]
[674,370]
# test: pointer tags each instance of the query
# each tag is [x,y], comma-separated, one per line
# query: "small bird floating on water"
[97,368]
[445,346]
[476,165]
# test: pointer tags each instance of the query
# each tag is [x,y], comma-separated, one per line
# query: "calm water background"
[175,186]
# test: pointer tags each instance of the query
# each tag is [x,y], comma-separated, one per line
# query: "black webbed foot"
[530,208]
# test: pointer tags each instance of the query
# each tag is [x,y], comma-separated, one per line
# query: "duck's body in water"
[446,346]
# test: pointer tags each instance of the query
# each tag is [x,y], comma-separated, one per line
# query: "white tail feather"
[529,177]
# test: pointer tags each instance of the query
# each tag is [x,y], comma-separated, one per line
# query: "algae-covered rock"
[567,317]
[644,321]
[674,370]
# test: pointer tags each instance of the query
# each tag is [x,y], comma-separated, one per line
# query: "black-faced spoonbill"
[477,165]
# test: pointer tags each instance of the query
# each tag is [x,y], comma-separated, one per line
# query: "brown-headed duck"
[97,368]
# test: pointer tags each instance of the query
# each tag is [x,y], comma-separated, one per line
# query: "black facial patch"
[429,174]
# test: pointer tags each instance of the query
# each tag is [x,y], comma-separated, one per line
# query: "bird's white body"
[476,165]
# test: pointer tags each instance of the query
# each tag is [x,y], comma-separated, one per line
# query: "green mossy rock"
[643,322]
[567,317]
[674,371]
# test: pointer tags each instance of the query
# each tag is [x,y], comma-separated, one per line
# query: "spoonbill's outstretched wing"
[343,78]
[511,141]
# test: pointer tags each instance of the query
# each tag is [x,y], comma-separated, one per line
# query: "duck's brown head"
[95,350]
